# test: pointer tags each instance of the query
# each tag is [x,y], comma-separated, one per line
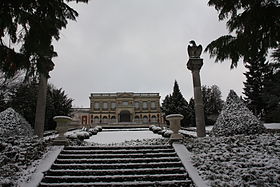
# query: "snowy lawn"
[252,160]
[113,137]
[272,125]
[192,130]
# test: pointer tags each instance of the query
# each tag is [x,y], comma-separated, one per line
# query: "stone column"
[194,64]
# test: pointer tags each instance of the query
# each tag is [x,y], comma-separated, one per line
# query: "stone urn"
[175,126]
[62,123]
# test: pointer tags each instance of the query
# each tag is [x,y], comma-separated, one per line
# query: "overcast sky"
[139,46]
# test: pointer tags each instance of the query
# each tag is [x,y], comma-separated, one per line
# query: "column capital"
[195,64]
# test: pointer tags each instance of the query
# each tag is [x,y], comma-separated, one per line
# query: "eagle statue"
[194,51]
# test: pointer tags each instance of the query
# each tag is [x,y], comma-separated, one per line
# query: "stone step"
[133,155]
[166,183]
[117,165]
[98,172]
[117,147]
[114,178]
[114,160]
[116,151]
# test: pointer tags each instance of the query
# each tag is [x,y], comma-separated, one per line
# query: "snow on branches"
[235,118]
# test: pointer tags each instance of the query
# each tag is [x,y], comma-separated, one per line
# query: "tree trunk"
[41,106]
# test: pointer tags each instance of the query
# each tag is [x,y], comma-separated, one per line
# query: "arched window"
[145,119]
[154,119]
[113,119]
[104,119]
[137,119]
[96,120]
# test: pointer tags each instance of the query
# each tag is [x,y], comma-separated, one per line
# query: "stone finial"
[194,51]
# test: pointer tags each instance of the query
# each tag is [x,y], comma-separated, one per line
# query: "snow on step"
[115,151]
[115,178]
[173,183]
[116,147]
[113,160]
[97,172]
[117,166]
[134,155]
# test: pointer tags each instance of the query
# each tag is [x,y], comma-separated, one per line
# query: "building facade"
[121,108]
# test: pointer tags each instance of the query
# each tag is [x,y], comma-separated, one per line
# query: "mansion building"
[122,108]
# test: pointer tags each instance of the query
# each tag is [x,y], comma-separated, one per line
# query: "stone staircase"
[117,166]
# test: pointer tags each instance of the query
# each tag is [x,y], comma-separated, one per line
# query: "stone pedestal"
[175,126]
[62,127]
[195,64]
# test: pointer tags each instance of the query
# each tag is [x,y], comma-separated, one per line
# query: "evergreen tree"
[254,28]
[32,25]
[176,104]
[236,118]
[60,105]
[271,94]
[191,112]
[23,100]
[213,103]
[254,85]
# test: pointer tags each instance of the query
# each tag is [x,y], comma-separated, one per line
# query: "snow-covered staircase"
[117,166]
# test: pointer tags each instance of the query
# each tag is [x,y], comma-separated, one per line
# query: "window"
[153,105]
[96,105]
[84,120]
[137,119]
[137,106]
[113,105]
[125,103]
[154,119]
[96,119]
[145,105]
[105,119]
[105,105]
[113,119]
[145,119]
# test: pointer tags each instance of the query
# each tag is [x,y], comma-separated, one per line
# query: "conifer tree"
[23,100]
[176,104]
[271,94]
[32,25]
[236,118]
[254,85]
[213,103]
[191,112]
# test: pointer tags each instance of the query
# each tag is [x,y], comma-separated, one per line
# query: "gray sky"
[139,46]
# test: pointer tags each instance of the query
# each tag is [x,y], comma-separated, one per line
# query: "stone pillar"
[194,64]
[175,126]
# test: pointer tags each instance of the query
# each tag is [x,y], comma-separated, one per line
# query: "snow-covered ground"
[252,160]
[223,161]
[113,137]
[192,130]
[272,125]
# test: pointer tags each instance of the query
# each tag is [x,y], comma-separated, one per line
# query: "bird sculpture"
[194,51]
